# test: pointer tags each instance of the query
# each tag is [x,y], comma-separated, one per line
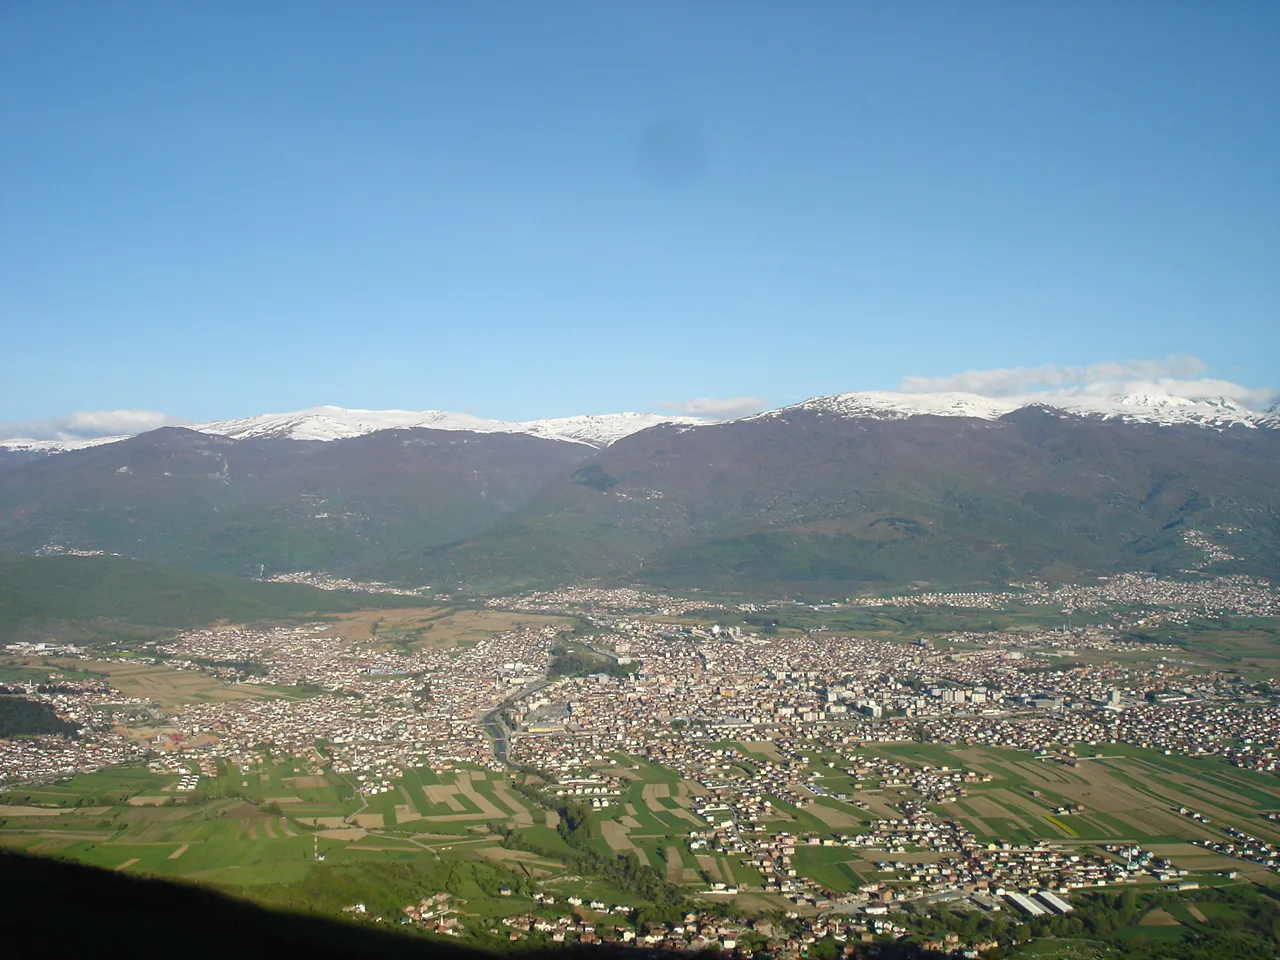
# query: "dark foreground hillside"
[53,908]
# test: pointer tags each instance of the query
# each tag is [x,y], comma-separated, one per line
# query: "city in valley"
[955,772]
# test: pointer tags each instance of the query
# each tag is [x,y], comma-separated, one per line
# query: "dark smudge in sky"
[671,153]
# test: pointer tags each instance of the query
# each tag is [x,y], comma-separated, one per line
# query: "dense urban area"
[636,769]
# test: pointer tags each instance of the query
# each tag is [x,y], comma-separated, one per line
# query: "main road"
[494,726]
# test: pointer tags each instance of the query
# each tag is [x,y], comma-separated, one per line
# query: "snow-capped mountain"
[859,488]
[1216,412]
[337,423]
[54,446]
[883,405]
[600,431]
[1270,417]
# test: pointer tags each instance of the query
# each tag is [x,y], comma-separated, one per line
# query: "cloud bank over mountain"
[1179,376]
[88,425]
[718,408]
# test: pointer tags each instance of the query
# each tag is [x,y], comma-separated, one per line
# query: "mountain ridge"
[850,492]
[802,499]
[328,423]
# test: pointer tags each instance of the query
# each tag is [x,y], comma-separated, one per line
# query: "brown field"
[446,794]
[426,627]
[179,852]
[529,862]
[615,834]
[764,902]
[978,825]
[984,806]
[553,818]
[8,810]
[487,809]
[766,747]
[1022,808]
[1195,911]
[1042,772]
[383,846]
[1159,918]
[712,866]
[169,688]
[303,783]
[334,823]
[128,863]
[49,846]
[675,866]
[1191,857]
[345,833]
[1138,793]
[879,806]
[831,816]
[1212,792]
[520,813]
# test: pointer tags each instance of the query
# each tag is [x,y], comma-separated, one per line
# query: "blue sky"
[214,209]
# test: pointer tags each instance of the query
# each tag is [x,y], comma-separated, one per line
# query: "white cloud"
[88,424]
[1172,376]
[718,408]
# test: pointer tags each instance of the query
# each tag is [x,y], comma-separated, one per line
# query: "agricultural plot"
[1126,795]
[293,821]
[269,822]
[831,867]
[433,627]
[168,687]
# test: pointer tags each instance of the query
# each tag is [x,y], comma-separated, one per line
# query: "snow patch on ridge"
[20,445]
[337,423]
[603,429]
[598,431]
[884,405]
[1217,412]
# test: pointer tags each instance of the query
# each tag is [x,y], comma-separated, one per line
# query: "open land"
[810,772]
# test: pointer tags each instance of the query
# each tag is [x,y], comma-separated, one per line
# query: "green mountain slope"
[233,506]
[65,596]
[807,501]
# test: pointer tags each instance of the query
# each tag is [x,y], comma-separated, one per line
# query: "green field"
[291,824]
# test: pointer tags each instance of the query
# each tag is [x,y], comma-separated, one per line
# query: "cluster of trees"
[386,886]
[623,871]
[1249,927]
[575,826]
[22,717]
[576,662]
